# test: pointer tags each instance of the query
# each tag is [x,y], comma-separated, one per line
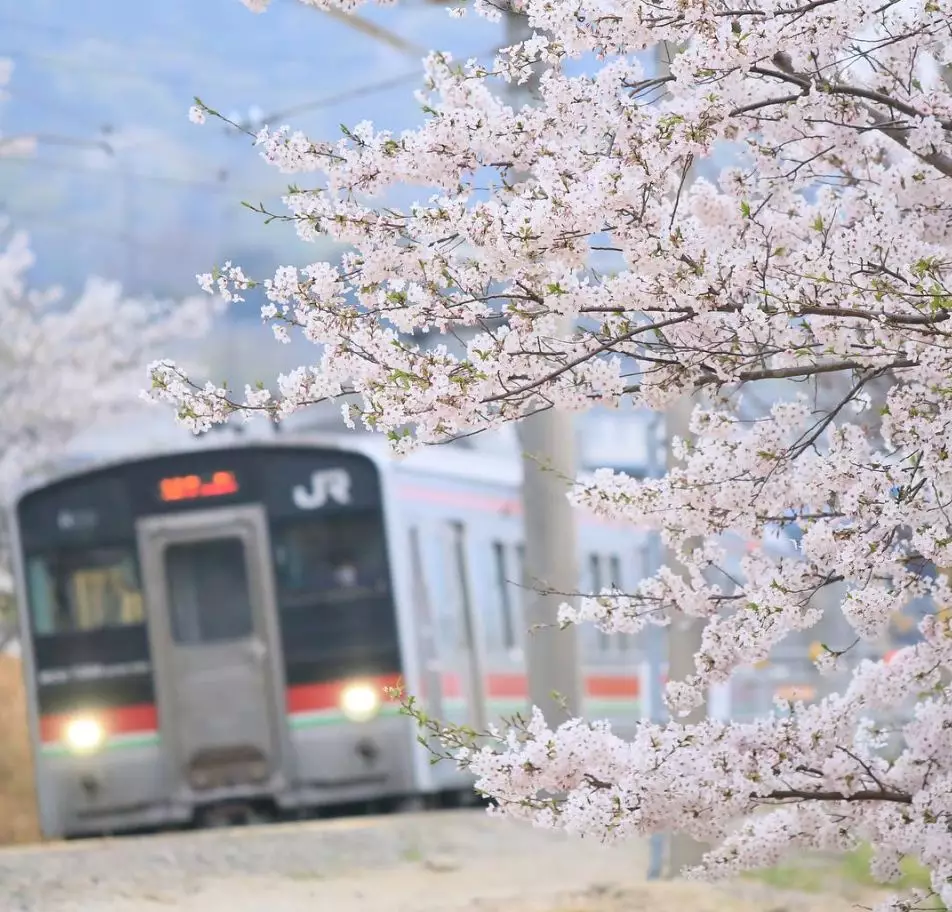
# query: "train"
[208,631]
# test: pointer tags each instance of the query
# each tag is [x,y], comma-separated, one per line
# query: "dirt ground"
[443,862]
[18,823]
[421,863]
[539,879]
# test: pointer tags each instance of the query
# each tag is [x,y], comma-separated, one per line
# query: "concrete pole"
[551,564]
[547,440]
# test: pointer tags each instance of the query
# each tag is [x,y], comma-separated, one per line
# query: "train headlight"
[359,702]
[84,735]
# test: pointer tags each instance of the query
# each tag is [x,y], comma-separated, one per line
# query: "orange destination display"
[192,487]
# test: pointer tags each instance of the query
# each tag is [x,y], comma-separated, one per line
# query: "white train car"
[209,631]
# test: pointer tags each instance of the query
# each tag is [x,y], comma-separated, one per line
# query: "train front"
[210,631]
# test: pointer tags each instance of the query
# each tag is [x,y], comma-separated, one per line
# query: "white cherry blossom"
[818,252]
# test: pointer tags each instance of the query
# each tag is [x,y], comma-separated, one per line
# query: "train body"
[214,627]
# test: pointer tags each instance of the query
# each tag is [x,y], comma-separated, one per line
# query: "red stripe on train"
[315,697]
[122,720]
[512,685]
[499,686]
[116,720]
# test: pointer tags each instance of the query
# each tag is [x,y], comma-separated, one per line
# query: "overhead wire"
[326,101]
[109,173]
[99,230]
[350,94]
[222,182]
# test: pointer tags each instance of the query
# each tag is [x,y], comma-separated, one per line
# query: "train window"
[503,584]
[421,591]
[597,583]
[208,591]
[614,571]
[421,596]
[461,583]
[74,591]
[521,574]
[336,559]
[643,560]
[334,595]
[595,573]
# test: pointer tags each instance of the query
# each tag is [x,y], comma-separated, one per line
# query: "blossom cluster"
[69,363]
[817,253]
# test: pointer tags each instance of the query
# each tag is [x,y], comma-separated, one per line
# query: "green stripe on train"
[333,717]
[118,742]
[148,739]
[623,705]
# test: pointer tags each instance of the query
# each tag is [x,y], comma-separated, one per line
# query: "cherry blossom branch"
[803,285]
[940,161]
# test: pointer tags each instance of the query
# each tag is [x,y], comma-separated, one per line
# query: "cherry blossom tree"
[820,251]
[66,365]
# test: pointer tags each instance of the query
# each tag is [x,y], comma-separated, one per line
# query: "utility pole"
[547,440]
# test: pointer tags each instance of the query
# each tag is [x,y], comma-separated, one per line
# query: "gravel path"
[435,862]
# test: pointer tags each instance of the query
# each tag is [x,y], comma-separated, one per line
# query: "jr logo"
[333,484]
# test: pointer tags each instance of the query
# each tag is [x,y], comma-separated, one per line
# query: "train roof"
[446,462]
[436,462]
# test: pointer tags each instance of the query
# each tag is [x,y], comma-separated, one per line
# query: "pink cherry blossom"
[777,207]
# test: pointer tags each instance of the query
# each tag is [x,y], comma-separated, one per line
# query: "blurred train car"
[210,631]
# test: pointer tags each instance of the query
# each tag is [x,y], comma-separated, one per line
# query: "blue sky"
[167,204]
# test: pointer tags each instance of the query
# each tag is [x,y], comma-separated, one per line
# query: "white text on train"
[333,484]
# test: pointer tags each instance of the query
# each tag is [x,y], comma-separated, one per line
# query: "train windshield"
[79,590]
[337,614]
[332,560]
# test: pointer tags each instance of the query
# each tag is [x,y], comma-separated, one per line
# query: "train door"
[215,645]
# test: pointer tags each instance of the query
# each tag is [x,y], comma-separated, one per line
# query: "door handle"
[257,651]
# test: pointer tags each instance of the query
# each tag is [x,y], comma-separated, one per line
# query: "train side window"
[461,583]
[642,561]
[522,590]
[617,581]
[421,594]
[597,583]
[614,572]
[503,584]
[595,573]
[207,584]
[521,575]
[418,571]
[331,559]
